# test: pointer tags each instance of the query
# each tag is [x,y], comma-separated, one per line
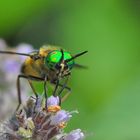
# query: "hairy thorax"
[36,68]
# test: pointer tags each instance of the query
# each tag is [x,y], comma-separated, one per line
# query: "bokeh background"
[107,94]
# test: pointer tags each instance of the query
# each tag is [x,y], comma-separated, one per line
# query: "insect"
[49,63]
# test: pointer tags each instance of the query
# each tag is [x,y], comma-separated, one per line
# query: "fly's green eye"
[54,57]
[66,57]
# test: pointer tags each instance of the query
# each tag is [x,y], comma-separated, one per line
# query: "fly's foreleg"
[64,86]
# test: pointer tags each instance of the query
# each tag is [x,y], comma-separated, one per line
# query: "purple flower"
[39,124]
[60,116]
[52,104]
[24,48]
[11,66]
[52,101]
[75,135]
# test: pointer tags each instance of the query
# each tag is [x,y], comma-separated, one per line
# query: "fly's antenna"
[14,53]
[75,56]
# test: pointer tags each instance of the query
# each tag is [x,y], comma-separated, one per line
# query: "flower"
[24,48]
[39,124]
[52,101]
[74,135]
[52,104]
[60,116]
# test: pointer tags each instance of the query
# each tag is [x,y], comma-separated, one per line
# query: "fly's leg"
[45,87]
[66,95]
[29,78]
[33,89]
[19,93]
[64,87]
[35,93]
[45,91]
[56,87]
[61,85]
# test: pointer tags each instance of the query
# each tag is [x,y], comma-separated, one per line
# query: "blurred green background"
[107,94]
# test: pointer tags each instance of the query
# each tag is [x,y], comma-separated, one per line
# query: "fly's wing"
[79,66]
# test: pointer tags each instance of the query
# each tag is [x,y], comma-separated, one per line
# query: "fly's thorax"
[33,67]
[27,66]
[46,49]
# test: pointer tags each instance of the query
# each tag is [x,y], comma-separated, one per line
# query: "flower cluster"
[40,121]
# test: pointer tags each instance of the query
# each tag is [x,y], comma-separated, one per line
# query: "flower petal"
[75,135]
[60,116]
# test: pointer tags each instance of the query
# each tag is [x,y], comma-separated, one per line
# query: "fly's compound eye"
[54,58]
[67,56]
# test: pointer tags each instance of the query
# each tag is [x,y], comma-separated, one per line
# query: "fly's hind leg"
[29,78]
[45,88]
[18,93]
[33,89]
[35,93]
[66,95]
